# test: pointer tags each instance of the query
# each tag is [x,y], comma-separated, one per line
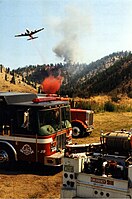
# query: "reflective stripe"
[25,139]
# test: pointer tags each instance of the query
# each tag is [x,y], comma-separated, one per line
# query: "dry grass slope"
[20,86]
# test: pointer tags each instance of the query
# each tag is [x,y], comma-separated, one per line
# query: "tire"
[77,131]
[8,160]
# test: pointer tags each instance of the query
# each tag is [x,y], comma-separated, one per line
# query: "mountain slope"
[7,83]
[116,79]
[110,74]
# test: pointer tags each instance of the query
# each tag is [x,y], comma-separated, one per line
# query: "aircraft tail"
[32,38]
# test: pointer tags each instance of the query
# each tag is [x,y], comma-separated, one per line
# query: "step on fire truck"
[99,170]
[33,128]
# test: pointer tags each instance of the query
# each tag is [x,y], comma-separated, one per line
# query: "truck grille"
[61,141]
[91,119]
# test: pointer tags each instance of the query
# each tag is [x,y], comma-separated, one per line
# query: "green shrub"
[115,99]
[130,94]
[109,106]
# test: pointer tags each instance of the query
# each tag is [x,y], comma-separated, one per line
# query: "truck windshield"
[52,120]
[65,113]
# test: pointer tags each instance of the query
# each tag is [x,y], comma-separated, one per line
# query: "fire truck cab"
[82,122]
[33,128]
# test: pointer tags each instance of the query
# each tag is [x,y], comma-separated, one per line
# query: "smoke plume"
[73,27]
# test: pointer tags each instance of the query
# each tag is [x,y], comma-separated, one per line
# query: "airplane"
[29,34]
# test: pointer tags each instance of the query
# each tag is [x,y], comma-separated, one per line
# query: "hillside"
[117,79]
[70,71]
[110,75]
[13,82]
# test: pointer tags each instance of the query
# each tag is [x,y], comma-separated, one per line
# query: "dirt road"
[26,184]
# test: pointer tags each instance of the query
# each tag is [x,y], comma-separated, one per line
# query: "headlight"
[86,122]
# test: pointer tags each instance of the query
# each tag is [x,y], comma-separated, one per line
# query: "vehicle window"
[50,117]
[65,112]
[25,122]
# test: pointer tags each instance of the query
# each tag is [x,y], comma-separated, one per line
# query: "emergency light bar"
[47,99]
[44,99]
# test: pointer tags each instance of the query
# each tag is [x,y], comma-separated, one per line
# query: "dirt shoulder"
[20,184]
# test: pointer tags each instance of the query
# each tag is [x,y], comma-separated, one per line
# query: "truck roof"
[13,97]
[81,110]
[26,99]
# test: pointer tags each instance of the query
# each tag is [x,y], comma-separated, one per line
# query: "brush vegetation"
[108,122]
[104,103]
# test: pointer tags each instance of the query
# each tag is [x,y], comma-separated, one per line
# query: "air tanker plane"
[29,34]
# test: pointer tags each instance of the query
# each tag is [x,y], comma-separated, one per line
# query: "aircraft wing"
[35,31]
[21,35]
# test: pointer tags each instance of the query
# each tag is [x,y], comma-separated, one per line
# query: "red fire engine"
[82,122]
[33,128]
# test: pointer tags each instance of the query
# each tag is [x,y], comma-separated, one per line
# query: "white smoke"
[73,27]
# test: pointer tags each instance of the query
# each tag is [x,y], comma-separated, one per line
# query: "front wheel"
[6,158]
[77,131]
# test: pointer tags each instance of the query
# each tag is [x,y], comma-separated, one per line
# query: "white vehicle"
[99,170]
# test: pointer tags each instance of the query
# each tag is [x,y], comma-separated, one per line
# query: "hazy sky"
[76,30]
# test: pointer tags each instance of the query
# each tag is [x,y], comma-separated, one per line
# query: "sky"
[74,30]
